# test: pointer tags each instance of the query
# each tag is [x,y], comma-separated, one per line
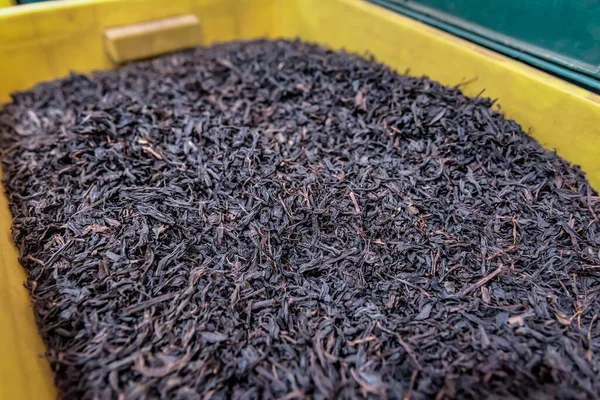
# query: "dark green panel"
[559,36]
[569,28]
[29,1]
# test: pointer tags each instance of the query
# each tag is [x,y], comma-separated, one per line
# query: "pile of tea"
[271,219]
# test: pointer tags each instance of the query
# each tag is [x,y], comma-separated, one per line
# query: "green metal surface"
[30,1]
[559,36]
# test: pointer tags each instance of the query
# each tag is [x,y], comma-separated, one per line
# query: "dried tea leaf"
[272,219]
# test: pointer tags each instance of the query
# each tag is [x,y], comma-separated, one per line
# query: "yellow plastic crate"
[47,40]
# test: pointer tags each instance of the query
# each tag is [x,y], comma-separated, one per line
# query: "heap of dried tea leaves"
[275,220]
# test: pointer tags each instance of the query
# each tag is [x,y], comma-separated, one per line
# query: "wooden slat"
[152,38]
